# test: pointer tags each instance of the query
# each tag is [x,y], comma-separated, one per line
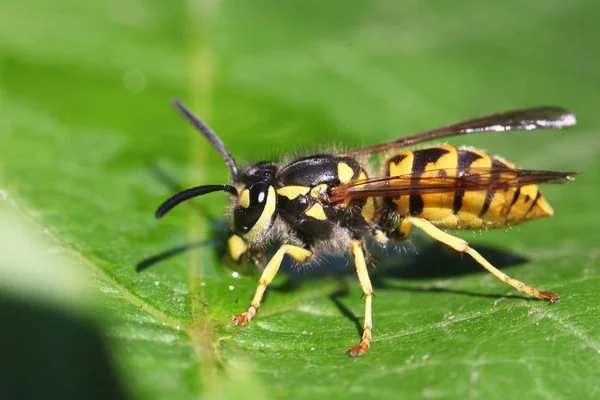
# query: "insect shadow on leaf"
[217,226]
[173,185]
[426,262]
[437,261]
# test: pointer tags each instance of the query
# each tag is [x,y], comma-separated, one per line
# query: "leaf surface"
[90,146]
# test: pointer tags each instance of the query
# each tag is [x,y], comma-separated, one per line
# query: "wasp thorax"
[255,210]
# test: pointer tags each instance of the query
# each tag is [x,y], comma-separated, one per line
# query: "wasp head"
[254,209]
[253,194]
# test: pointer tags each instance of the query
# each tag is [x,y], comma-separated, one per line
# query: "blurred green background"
[89,146]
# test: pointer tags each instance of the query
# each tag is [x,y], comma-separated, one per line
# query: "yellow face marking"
[316,191]
[291,192]
[244,199]
[237,247]
[316,212]
[265,218]
[345,172]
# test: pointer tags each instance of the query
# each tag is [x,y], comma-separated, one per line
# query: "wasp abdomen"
[463,209]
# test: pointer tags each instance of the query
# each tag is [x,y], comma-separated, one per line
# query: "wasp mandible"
[328,204]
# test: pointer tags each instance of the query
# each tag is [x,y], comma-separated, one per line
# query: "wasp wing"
[445,180]
[526,119]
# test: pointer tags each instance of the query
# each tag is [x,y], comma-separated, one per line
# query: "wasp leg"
[365,282]
[463,247]
[297,253]
[403,230]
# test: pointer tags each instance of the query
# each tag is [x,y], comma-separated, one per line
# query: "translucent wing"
[445,180]
[527,119]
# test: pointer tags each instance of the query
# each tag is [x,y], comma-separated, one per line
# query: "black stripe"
[496,164]
[389,201]
[499,164]
[420,160]
[457,203]
[397,159]
[426,156]
[486,204]
[465,159]
[514,200]
[415,204]
[537,197]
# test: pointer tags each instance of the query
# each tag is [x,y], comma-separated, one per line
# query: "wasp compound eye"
[251,207]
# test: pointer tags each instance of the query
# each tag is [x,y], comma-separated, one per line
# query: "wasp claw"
[239,319]
[552,297]
[357,350]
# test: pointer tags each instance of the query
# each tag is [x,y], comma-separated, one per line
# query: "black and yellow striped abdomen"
[463,209]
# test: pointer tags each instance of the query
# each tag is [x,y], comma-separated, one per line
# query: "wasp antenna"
[209,134]
[190,193]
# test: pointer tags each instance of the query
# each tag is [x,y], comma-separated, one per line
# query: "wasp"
[330,203]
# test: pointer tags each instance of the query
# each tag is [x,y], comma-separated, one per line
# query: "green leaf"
[89,146]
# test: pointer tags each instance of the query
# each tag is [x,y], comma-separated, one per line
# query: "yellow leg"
[365,282]
[463,247]
[297,253]
[403,229]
